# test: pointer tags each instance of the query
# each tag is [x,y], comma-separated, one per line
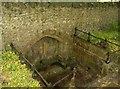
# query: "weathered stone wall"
[89,55]
[24,23]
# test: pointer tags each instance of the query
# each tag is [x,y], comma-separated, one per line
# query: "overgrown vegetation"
[110,34]
[15,74]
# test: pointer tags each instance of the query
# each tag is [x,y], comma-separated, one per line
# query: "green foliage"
[111,34]
[15,74]
[9,55]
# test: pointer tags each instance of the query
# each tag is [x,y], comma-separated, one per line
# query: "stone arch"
[51,36]
[47,47]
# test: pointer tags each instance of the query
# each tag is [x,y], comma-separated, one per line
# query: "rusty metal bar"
[14,49]
[62,79]
[46,83]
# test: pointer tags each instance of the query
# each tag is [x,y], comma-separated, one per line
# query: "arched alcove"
[44,49]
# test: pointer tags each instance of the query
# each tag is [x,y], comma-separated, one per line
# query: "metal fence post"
[108,57]
[88,37]
[105,43]
[75,34]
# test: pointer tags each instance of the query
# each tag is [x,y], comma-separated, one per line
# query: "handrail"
[13,48]
[108,54]
[62,79]
[88,33]
[45,82]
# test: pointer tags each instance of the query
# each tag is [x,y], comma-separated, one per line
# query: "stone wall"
[89,55]
[24,23]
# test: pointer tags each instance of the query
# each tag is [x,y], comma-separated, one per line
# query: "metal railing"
[34,69]
[90,35]
[24,58]
[105,42]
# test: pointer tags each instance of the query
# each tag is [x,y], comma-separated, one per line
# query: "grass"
[15,74]
[111,34]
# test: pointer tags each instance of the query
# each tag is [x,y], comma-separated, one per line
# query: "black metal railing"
[90,35]
[104,44]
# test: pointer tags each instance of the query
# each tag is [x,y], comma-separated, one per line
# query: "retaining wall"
[24,23]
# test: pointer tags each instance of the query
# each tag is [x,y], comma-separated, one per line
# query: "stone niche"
[44,49]
[50,44]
